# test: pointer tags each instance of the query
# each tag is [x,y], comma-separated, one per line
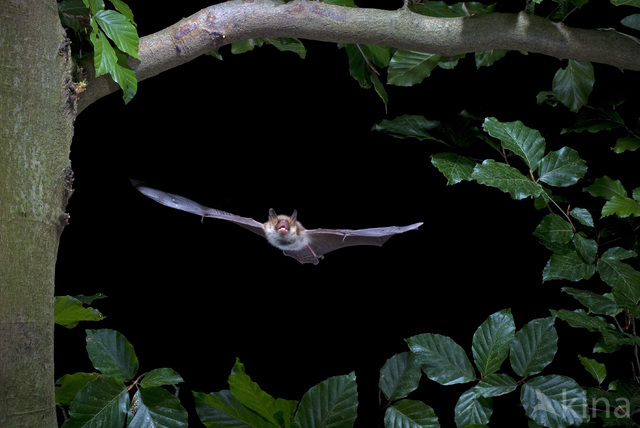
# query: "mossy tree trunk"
[36,127]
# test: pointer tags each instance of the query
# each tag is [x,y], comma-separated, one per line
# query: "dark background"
[268,129]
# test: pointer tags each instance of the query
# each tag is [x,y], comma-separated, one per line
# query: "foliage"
[603,208]
[589,225]
[69,311]
[112,34]
[103,398]
[331,403]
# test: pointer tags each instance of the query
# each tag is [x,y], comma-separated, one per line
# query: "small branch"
[366,60]
[237,20]
[566,215]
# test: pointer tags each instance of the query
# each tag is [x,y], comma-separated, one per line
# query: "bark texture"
[236,20]
[36,126]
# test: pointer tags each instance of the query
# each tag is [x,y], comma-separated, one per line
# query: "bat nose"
[282,226]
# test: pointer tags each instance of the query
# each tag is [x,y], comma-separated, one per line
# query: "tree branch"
[236,20]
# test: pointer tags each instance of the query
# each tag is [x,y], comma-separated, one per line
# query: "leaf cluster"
[112,34]
[113,396]
[331,403]
[548,400]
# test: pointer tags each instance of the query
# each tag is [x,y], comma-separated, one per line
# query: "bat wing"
[322,241]
[183,204]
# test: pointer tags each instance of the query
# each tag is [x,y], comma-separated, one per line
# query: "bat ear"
[272,214]
[294,215]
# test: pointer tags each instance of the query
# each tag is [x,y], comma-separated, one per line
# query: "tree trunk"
[36,127]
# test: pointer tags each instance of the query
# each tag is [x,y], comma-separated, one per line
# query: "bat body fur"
[284,232]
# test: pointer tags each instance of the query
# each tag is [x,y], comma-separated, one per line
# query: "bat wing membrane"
[183,204]
[322,241]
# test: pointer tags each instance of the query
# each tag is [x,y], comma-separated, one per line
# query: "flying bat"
[282,231]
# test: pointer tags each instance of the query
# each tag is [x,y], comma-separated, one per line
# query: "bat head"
[285,232]
[284,224]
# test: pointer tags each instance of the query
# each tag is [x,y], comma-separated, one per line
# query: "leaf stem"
[371,66]
[566,215]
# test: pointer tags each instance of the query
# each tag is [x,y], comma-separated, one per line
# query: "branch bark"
[236,20]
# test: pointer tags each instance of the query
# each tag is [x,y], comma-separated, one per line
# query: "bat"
[284,232]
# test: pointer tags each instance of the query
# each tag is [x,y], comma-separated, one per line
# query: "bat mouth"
[282,226]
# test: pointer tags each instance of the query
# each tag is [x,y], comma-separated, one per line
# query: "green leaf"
[124,76]
[243,46]
[160,377]
[408,126]
[596,303]
[399,376]
[567,264]
[362,59]
[359,64]
[157,408]
[523,141]
[573,84]
[378,86]
[595,369]
[94,5]
[109,61]
[104,56]
[554,229]
[410,414]
[534,347]
[554,401]
[70,384]
[624,144]
[87,300]
[472,409]
[635,3]
[221,409]
[583,216]
[621,206]
[491,341]
[288,44]
[629,390]
[586,248]
[453,166]
[70,11]
[580,319]
[596,120]
[488,58]
[69,311]
[624,279]
[506,178]
[249,393]
[379,56]
[606,188]
[408,68]
[112,354]
[495,384]
[443,360]
[331,403]
[119,29]
[124,9]
[562,168]
[631,21]
[103,402]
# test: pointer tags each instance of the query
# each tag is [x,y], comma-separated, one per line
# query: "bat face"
[285,232]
